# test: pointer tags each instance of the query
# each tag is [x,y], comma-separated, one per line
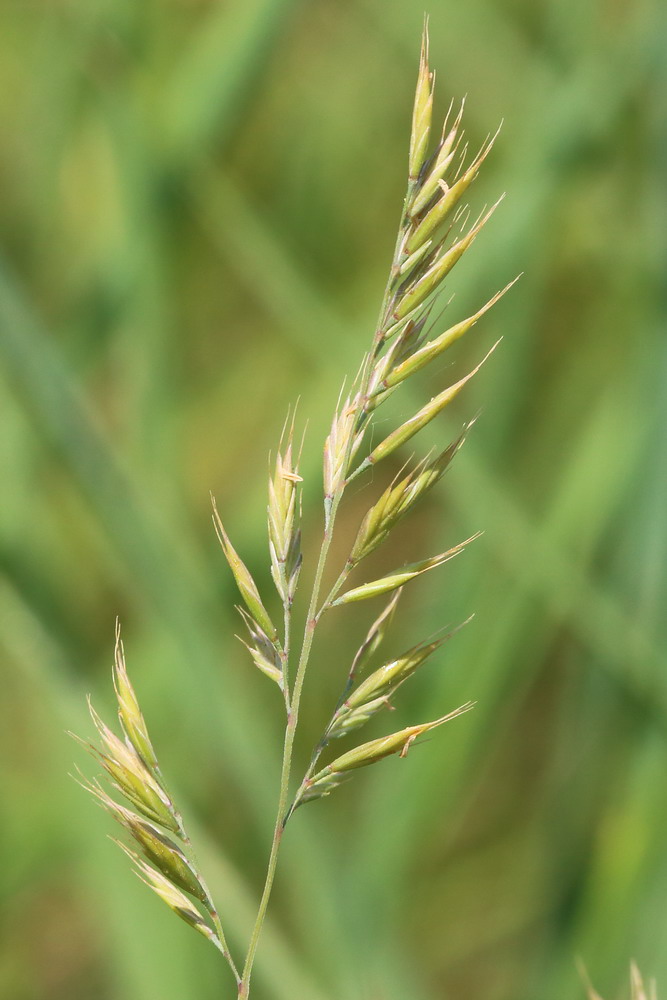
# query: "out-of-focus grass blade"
[215,77]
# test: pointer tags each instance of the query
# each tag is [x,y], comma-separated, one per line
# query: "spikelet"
[639,990]
[449,196]
[398,500]
[437,271]
[264,654]
[347,720]
[419,358]
[157,848]
[340,447]
[129,713]
[375,691]
[399,743]
[427,413]
[422,112]
[131,776]
[392,581]
[283,513]
[399,578]
[442,161]
[375,636]
[383,682]
[175,899]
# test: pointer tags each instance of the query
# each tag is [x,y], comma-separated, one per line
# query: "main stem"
[309,632]
[290,732]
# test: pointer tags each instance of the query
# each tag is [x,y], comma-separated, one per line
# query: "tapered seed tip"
[485,358]
[425,37]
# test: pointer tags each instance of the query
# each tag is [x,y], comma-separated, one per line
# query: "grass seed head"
[422,112]
[284,534]
[129,713]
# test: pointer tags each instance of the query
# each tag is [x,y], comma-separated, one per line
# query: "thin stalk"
[290,732]
[210,906]
[284,654]
[324,739]
[331,509]
[333,593]
[223,946]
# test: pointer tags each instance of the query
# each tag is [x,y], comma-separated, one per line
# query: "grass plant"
[434,233]
[436,230]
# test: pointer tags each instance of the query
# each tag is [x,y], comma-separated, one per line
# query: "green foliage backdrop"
[198,200]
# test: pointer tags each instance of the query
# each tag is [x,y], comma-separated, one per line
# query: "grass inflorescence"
[435,232]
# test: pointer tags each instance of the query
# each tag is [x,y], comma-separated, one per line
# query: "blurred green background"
[198,202]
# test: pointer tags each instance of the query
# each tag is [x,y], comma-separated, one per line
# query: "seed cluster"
[134,773]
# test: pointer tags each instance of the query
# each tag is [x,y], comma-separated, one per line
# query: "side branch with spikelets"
[434,234]
[167,866]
